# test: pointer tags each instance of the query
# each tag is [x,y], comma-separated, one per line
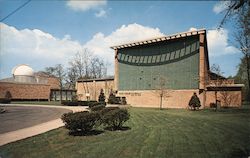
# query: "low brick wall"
[180,98]
[25,91]
[150,98]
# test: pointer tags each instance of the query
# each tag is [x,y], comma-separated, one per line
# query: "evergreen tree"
[194,102]
[101,98]
[112,99]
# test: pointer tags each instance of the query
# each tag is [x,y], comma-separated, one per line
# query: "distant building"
[25,84]
[181,59]
[89,89]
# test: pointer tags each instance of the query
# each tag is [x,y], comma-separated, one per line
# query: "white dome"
[22,70]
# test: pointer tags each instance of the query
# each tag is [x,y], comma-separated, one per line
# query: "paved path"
[35,126]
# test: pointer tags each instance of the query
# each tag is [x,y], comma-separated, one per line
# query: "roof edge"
[159,39]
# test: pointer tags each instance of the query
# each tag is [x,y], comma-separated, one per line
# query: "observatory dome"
[22,70]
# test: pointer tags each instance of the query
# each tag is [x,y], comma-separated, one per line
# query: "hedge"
[80,121]
[114,119]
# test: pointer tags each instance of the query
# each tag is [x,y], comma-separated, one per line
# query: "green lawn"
[153,133]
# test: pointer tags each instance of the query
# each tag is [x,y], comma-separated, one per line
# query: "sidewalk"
[13,136]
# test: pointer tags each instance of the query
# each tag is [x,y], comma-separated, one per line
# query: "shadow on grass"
[125,128]
[88,133]
[238,152]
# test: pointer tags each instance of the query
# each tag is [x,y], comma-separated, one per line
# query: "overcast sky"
[45,33]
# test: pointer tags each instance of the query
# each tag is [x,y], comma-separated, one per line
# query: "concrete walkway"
[13,136]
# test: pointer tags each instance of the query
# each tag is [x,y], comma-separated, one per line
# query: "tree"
[217,80]
[161,90]
[112,98]
[239,13]
[241,77]
[85,65]
[194,102]
[242,38]
[233,9]
[58,72]
[101,98]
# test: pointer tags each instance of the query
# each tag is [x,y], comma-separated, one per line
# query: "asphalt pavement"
[19,117]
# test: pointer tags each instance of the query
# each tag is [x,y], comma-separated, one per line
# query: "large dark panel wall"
[177,61]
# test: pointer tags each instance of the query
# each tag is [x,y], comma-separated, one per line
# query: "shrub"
[98,107]
[101,98]
[80,121]
[107,109]
[194,102]
[213,105]
[2,111]
[7,98]
[115,118]
[92,104]
[123,101]
[8,95]
[70,103]
[113,99]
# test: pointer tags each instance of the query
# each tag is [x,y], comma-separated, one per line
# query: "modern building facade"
[176,65]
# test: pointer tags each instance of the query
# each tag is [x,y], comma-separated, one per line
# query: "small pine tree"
[8,95]
[101,98]
[194,102]
[112,99]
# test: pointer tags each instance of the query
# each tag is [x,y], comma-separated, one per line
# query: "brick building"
[181,60]
[27,85]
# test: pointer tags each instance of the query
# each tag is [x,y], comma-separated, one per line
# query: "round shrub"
[114,119]
[80,121]
[107,109]
[92,104]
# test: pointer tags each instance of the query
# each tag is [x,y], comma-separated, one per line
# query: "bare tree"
[85,65]
[239,13]
[228,97]
[242,37]
[71,77]
[233,9]
[97,68]
[57,71]
[161,90]
[217,81]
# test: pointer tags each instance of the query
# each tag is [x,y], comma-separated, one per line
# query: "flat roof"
[95,79]
[159,39]
[225,85]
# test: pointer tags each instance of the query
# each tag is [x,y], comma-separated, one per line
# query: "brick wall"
[94,88]
[25,91]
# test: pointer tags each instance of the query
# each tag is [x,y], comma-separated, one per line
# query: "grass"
[37,102]
[153,133]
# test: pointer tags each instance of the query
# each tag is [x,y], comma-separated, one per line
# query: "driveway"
[19,117]
[23,121]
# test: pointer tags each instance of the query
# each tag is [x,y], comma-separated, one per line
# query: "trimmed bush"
[213,105]
[112,98]
[79,103]
[114,119]
[2,111]
[5,100]
[80,121]
[92,104]
[70,103]
[107,109]
[194,102]
[98,107]
[123,101]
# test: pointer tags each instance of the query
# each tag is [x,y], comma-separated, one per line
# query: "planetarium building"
[25,84]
